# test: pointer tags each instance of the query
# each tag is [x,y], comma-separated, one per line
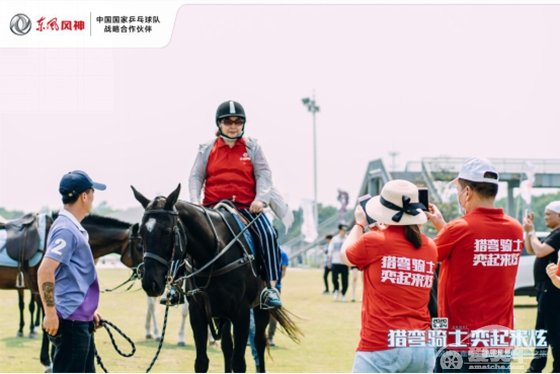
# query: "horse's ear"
[141,198]
[172,198]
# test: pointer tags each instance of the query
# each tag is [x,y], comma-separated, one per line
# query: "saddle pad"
[5,260]
[246,234]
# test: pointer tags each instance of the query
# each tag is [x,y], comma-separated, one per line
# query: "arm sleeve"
[263,175]
[362,253]
[554,240]
[445,241]
[197,176]
[60,245]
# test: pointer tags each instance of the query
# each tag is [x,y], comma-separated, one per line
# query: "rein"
[221,253]
[136,271]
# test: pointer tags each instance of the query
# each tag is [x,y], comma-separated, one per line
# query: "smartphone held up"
[362,200]
[423,198]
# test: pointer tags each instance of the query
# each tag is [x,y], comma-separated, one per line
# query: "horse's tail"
[283,316]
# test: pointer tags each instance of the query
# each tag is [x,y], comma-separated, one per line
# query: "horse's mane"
[95,219]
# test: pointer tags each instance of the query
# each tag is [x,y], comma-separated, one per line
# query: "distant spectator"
[327,264]
[339,269]
[354,275]
[546,283]
[272,324]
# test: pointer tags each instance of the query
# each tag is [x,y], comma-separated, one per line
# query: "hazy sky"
[422,80]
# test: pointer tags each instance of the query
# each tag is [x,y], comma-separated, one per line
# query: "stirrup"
[270,299]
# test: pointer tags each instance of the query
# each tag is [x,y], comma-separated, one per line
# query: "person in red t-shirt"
[479,255]
[232,167]
[398,264]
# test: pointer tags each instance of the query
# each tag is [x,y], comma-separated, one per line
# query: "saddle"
[22,237]
[240,221]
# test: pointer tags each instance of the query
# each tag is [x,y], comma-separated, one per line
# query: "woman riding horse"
[232,167]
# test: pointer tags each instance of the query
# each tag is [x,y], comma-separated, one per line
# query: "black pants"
[547,319]
[342,270]
[74,347]
[326,277]
[539,359]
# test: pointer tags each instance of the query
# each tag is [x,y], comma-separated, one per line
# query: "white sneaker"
[343,299]
[335,295]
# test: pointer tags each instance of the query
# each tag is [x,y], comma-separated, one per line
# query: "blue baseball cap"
[76,182]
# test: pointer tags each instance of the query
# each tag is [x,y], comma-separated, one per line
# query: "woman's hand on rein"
[256,207]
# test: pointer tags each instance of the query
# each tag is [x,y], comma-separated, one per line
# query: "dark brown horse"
[226,285]
[106,236]
[9,280]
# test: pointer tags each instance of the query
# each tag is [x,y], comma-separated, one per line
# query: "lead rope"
[152,363]
[108,324]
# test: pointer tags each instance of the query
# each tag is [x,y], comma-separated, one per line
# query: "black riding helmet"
[230,108]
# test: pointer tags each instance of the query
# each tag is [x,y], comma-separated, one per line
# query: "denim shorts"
[395,360]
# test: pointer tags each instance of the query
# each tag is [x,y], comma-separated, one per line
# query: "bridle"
[137,271]
[179,243]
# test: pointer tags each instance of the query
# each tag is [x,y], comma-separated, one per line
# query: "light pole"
[313,108]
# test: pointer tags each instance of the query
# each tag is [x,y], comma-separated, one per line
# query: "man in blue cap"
[68,279]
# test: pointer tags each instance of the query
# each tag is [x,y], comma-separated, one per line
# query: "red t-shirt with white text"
[397,283]
[479,255]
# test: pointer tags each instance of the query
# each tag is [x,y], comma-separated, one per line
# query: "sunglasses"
[228,121]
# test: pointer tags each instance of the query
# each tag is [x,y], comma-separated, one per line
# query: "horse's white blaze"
[150,224]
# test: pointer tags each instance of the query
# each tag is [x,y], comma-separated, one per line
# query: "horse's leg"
[240,335]
[199,326]
[21,305]
[227,347]
[38,315]
[149,314]
[262,318]
[32,315]
[184,314]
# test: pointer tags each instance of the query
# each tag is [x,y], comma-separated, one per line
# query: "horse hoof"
[48,369]
[32,335]
[149,336]
[182,344]
[19,334]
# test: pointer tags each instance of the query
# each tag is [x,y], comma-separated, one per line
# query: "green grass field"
[331,331]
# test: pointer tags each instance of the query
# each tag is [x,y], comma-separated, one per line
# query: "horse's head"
[133,254]
[158,231]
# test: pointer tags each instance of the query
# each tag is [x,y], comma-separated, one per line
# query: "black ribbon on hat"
[408,207]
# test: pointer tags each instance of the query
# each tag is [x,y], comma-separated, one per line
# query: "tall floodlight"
[313,108]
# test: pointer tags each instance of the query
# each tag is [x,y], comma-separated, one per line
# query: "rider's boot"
[270,298]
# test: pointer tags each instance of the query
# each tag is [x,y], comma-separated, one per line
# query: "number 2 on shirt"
[58,245]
